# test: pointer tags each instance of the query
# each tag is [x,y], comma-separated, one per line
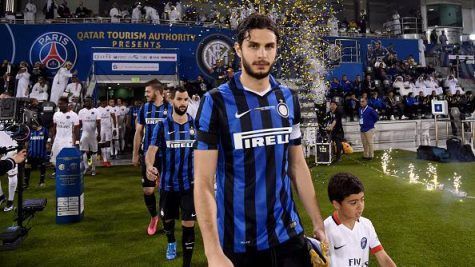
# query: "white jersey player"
[122,112]
[108,122]
[115,129]
[65,131]
[6,141]
[351,237]
[90,122]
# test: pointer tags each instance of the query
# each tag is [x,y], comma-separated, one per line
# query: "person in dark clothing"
[434,37]
[335,127]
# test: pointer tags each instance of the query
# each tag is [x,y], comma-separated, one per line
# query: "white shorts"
[58,145]
[106,135]
[88,143]
[13,171]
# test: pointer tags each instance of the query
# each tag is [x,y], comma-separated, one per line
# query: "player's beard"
[179,111]
[256,75]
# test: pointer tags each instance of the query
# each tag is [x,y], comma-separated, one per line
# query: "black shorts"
[171,203]
[34,163]
[143,168]
[292,253]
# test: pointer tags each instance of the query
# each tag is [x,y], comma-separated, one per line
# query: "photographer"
[8,164]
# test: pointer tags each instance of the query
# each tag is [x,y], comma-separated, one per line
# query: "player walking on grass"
[108,120]
[174,138]
[351,236]
[248,133]
[152,112]
[90,123]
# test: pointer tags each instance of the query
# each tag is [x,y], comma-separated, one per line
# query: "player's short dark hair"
[343,184]
[64,99]
[173,91]
[255,21]
[156,85]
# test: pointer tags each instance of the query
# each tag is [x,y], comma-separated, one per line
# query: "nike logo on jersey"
[338,247]
[193,215]
[238,116]
[171,132]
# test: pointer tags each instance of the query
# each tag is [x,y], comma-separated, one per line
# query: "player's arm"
[76,136]
[137,141]
[53,132]
[205,205]
[152,172]
[98,126]
[301,178]
[383,259]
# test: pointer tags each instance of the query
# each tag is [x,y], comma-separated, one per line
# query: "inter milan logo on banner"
[213,49]
[53,49]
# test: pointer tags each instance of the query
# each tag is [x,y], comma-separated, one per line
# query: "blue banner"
[113,61]
[69,186]
[53,44]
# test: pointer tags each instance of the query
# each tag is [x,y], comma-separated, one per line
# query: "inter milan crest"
[192,131]
[53,49]
[283,110]
[364,242]
[165,112]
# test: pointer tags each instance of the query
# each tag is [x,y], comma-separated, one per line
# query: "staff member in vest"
[368,117]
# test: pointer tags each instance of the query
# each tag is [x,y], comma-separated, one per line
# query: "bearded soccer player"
[174,138]
[90,123]
[152,112]
[248,133]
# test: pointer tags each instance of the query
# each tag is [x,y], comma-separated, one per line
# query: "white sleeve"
[374,243]
[55,117]
[296,133]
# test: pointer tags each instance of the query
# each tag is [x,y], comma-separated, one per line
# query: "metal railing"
[405,25]
[101,20]
[350,50]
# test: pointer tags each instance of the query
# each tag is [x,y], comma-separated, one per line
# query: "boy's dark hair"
[343,184]
[255,21]
[173,91]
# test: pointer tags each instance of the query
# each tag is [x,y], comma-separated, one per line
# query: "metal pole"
[436,131]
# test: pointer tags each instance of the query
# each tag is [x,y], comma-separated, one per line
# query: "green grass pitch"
[417,227]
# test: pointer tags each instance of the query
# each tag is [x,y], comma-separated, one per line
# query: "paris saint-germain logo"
[53,49]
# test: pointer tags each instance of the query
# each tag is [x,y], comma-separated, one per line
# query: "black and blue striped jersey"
[175,142]
[37,143]
[252,134]
[149,115]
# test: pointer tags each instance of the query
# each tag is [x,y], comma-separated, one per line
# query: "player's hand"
[219,260]
[319,234]
[135,160]
[152,173]
[20,156]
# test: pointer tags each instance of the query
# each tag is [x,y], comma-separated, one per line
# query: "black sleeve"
[6,165]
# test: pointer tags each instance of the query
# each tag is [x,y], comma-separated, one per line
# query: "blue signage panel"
[113,61]
[69,186]
[198,47]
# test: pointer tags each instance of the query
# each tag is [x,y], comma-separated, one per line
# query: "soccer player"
[90,123]
[39,138]
[12,184]
[115,129]
[174,138]
[248,133]
[108,119]
[122,112]
[351,236]
[152,112]
[65,130]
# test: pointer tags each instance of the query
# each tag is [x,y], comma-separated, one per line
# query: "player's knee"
[148,191]
[188,224]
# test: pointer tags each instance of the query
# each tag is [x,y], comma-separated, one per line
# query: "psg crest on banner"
[214,48]
[53,49]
